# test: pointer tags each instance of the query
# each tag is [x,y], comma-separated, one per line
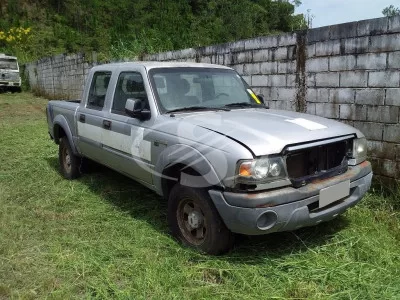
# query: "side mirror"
[135,109]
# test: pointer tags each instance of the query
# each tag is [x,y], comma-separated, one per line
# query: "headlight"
[359,151]
[261,170]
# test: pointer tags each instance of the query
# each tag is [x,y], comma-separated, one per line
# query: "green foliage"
[15,39]
[120,28]
[391,11]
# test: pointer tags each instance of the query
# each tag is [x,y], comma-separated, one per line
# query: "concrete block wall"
[356,68]
[59,77]
[349,72]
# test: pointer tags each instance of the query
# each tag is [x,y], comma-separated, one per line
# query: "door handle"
[82,118]
[107,124]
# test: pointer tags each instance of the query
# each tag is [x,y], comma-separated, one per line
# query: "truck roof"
[2,55]
[157,64]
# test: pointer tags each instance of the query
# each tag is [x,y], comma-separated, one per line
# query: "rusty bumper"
[289,208]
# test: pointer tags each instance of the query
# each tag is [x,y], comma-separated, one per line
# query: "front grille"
[318,162]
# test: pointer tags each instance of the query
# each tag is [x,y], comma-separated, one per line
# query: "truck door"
[128,150]
[90,117]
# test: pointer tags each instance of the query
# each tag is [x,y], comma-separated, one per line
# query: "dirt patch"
[13,107]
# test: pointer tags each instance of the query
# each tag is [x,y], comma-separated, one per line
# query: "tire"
[69,163]
[195,222]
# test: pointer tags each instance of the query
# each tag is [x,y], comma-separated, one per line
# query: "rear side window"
[98,90]
[129,85]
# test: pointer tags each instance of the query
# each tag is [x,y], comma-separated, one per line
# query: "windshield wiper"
[196,108]
[246,104]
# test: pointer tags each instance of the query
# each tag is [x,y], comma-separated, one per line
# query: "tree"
[128,28]
[296,3]
[391,11]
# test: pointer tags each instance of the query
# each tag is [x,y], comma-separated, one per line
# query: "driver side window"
[129,85]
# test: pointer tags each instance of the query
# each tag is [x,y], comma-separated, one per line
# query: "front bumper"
[288,208]
[10,83]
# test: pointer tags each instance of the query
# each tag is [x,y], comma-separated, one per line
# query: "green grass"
[105,236]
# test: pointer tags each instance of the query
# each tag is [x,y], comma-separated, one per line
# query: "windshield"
[178,88]
[8,63]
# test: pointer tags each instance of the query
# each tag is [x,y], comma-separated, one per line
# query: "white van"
[10,80]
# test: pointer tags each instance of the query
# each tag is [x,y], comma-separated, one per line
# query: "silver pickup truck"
[197,135]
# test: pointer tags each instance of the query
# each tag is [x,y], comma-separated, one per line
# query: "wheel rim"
[191,221]
[66,160]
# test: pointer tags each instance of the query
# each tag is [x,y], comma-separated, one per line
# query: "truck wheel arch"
[61,129]
[178,160]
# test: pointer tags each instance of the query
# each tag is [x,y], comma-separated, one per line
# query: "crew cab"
[198,135]
[10,79]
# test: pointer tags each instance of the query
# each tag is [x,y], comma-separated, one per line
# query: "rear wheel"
[194,221]
[69,163]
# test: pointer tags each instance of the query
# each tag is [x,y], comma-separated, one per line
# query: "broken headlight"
[359,153]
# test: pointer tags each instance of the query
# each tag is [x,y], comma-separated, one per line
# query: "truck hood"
[267,132]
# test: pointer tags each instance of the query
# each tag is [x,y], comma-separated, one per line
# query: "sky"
[328,12]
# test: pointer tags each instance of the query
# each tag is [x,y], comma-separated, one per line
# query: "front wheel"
[69,163]
[194,221]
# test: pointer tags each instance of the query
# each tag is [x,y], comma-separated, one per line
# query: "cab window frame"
[94,104]
[121,89]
